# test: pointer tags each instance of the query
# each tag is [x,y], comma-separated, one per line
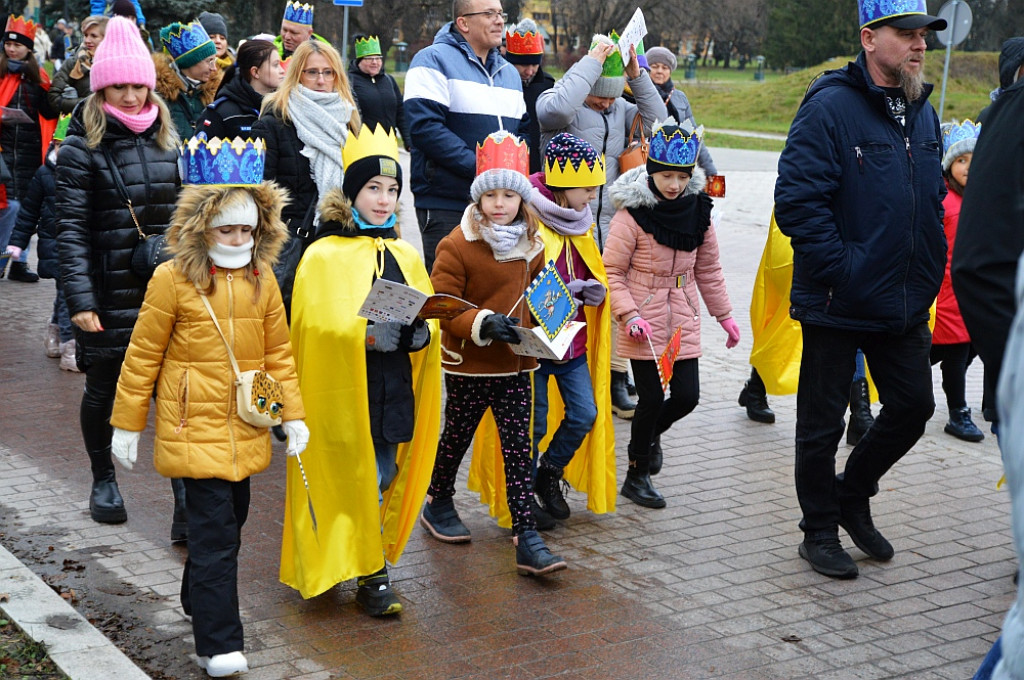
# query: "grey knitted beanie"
[661,55]
[500,179]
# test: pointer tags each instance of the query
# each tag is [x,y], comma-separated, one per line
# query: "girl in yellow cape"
[576,432]
[372,390]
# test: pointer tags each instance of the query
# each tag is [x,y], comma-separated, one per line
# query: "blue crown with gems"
[229,162]
[179,39]
[954,133]
[876,10]
[299,13]
[675,145]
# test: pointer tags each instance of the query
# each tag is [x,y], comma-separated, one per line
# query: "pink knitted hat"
[122,58]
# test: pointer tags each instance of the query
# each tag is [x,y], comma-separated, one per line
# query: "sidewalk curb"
[74,645]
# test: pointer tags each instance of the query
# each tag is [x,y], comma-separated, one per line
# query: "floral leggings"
[510,399]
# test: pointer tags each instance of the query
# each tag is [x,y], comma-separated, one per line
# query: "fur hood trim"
[525,249]
[630,189]
[187,237]
[170,86]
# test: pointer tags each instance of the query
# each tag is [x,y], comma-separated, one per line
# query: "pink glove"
[639,330]
[732,328]
[14,252]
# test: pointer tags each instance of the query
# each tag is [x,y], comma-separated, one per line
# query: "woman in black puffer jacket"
[236,109]
[96,232]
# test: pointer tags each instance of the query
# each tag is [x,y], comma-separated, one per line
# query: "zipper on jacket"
[600,190]
[860,159]
[228,278]
[828,302]
[182,402]
[145,169]
[913,221]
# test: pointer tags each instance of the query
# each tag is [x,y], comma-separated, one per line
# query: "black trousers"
[902,373]
[434,226]
[217,509]
[97,404]
[654,413]
[955,359]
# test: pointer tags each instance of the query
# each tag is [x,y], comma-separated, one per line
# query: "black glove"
[499,327]
[415,336]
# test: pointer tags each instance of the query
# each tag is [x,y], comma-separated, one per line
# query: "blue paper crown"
[180,39]
[674,145]
[954,133]
[876,10]
[232,162]
[299,13]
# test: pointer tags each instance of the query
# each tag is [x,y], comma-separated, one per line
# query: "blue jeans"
[988,664]
[580,411]
[61,316]
[861,372]
[8,218]
[902,373]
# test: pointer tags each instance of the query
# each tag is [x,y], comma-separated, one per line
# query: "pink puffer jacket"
[656,282]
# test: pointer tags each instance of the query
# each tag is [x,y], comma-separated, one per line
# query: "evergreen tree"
[807,32]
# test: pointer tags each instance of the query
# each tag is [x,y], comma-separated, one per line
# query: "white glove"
[298,436]
[125,447]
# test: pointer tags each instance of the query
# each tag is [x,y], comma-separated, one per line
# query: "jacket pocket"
[182,394]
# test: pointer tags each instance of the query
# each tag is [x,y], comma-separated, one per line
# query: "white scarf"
[231,257]
[321,121]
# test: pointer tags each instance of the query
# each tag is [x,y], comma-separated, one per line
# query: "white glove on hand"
[125,447]
[298,436]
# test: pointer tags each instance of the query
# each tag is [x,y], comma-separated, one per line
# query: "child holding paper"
[489,260]
[661,250]
[573,170]
[372,389]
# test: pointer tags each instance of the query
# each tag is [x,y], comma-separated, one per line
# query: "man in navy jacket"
[860,195]
[458,91]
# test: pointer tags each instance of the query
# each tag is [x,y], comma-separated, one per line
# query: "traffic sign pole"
[344,49]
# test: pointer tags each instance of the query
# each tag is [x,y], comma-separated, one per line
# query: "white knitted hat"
[500,179]
[240,211]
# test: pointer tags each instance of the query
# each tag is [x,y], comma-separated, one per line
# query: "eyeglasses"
[374,59]
[490,15]
[314,74]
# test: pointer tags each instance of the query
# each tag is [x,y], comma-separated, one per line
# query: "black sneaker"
[375,595]
[855,518]
[962,427]
[442,521]
[533,557]
[827,556]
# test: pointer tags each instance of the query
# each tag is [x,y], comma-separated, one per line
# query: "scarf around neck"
[502,238]
[564,221]
[136,122]
[679,224]
[321,122]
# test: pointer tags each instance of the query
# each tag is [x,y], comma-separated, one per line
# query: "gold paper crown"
[21,26]
[567,175]
[369,143]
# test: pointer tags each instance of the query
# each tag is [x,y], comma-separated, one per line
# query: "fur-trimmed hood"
[336,218]
[630,190]
[187,237]
[170,86]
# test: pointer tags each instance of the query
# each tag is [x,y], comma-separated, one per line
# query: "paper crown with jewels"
[188,44]
[674,146]
[872,11]
[299,13]
[226,162]
[19,29]
[367,143]
[368,46]
[502,151]
[571,162]
[958,139]
[524,44]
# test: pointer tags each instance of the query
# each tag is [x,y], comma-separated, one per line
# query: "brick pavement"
[710,587]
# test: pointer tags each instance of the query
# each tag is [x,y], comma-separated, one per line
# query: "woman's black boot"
[105,503]
[754,397]
[638,487]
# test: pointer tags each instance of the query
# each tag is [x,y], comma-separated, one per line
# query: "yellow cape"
[592,469]
[354,534]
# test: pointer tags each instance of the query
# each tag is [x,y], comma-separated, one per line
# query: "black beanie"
[1010,59]
[363,170]
[213,23]
[124,8]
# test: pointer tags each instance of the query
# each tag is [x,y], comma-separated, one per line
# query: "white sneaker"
[53,341]
[67,356]
[224,665]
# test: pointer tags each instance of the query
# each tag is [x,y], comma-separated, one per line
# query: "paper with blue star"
[550,301]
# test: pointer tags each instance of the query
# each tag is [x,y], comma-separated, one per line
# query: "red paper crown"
[524,43]
[503,151]
[21,26]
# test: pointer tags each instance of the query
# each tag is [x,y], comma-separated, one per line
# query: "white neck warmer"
[231,257]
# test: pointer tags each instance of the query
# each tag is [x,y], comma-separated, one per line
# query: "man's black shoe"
[755,400]
[827,556]
[855,518]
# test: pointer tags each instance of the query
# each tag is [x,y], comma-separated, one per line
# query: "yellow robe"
[354,534]
[592,469]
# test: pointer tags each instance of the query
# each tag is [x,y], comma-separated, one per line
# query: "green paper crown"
[368,47]
[640,47]
[62,127]
[613,67]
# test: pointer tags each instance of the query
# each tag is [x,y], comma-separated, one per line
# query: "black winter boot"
[860,412]
[622,405]
[21,272]
[638,487]
[179,521]
[657,456]
[547,486]
[754,397]
[533,558]
[105,503]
